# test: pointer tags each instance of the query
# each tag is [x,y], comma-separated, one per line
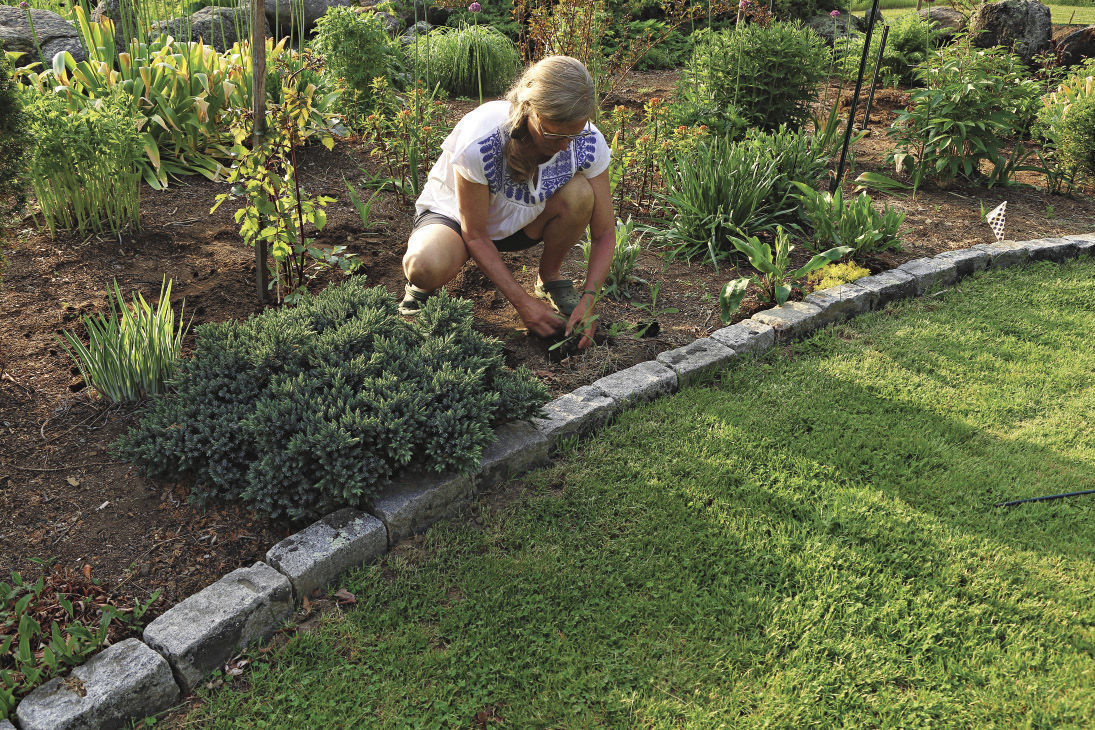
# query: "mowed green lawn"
[1060,14]
[809,541]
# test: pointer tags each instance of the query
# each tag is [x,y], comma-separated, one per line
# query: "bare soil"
[61,493]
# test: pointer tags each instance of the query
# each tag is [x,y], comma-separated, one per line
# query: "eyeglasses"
[551,135]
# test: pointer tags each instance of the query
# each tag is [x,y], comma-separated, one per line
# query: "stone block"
[1085,242]
[792,320]
[577,412]
[930,274]
[417,500]
[967,260]
[839,303]
[746,336]
[888,286]
[520,447]
[326,549]
[1052,249]
[697,359]
[5,725]
[208,628]
[1006,253]
[122,683]
[645,381]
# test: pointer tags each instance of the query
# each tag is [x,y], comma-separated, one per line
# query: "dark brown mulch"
[62,495]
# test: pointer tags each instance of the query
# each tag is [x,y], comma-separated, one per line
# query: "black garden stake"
[855,98]
[874,81]
[1046,498]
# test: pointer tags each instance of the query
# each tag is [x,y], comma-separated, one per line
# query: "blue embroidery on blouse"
[579,155]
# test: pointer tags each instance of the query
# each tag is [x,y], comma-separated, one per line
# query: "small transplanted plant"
[771,262]
[278,212]
[625,256]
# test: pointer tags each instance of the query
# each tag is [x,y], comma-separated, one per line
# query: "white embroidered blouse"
[473,150]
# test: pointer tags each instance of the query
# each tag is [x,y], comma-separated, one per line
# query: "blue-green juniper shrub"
[300,411]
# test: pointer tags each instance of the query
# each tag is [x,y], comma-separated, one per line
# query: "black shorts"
[515,242]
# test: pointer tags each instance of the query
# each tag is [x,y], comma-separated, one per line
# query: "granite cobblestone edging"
[184,645]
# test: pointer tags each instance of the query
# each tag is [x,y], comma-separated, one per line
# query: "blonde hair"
[559,89]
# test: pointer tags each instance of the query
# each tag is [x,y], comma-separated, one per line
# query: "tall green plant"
[132,350]
[356,50]
[766,74]
[84,163]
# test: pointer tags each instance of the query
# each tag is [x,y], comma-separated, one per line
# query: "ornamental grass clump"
[132,350]
[299,411]
[475,61]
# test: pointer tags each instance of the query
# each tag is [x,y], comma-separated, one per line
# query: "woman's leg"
[562,224]
[435,255]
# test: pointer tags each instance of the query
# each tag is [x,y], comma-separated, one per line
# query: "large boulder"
[948,21]
[213,26]
[281,13]
[54,33]
[393,22]
[124,15]
[830,28]
[1024,26]
[1074,47]
[419,28]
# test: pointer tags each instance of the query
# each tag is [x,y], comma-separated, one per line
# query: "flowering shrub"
[837,274]
[405,131]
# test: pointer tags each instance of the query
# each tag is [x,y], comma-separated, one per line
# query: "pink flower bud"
[834,14]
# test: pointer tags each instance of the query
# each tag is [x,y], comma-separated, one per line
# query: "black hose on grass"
[1046,498]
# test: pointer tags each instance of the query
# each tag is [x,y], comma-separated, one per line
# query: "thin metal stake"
[874,81]
[855,99]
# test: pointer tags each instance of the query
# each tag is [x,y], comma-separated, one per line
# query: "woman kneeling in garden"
[514,173]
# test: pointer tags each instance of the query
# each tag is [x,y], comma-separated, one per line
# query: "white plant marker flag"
[995,220]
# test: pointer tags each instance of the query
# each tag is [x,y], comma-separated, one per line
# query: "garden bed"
[61,493]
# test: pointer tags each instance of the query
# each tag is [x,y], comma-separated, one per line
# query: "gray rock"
[645,381]
[419,28]
[213,26]
[53,32]
[578,412]
[1085,243]
[124,13]
[417,500]
[1024,26]
[948,21]
[967,260]
[887,286]
[696,360]
[930,274]
[281,13]
[746,336]
[429,10]
[830,28]
[1077,46]
[1052,249]
[326,549]
[205,630]
[520,447]
[1005,253]
[5,725]
[122,683]
[842,302]
[792,320]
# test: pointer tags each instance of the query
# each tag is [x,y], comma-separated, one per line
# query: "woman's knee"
[432,260]
[576,199]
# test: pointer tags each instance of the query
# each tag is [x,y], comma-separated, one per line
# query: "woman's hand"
[540,318]
[583,320]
